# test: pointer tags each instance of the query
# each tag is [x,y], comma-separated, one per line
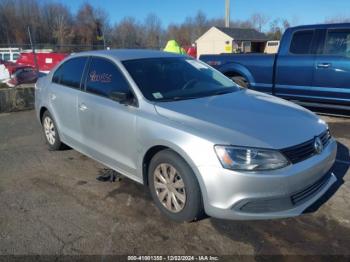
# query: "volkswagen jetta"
[196,139]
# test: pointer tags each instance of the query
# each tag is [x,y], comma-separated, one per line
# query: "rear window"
[301,42]
[338,42]
[70,72]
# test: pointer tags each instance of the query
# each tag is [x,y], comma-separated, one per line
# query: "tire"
[192,207]
[241,81]
[51,132]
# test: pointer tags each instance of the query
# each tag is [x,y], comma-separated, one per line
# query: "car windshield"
[177,78]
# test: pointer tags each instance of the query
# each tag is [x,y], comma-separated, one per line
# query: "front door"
[295,67]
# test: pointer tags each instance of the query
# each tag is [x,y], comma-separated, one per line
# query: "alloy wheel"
[49,129]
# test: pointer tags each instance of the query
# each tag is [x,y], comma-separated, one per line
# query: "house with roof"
[219,40]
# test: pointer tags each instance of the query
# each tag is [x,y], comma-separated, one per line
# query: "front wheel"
[174,187]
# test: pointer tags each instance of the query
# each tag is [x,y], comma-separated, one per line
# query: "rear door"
[332,68]
[295,66]
[108,127]
[63,99]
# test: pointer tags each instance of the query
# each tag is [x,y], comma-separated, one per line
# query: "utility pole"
[32,43]
[227,13]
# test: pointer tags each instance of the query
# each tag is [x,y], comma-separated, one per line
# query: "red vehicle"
[24,70]
[17,74]
[46,61]
[13,67]
[24,75]
[191,51]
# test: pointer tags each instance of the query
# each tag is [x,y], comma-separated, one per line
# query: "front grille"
[325,137]
[308,192]
[305,150]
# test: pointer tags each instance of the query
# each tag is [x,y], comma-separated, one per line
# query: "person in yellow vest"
[173,47]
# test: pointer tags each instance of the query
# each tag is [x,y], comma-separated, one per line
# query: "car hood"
[245,118]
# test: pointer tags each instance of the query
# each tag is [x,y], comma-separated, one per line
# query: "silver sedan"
[198,141]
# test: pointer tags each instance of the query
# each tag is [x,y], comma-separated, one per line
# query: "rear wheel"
[174,187]
[241,81]
[50,132]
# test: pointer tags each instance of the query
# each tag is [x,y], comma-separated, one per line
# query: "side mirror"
[121,97]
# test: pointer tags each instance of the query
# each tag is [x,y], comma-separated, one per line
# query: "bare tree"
[190,30]
[128,34]
[86,25]
[153,31]
[7,18]
[200,24]
[59,23]
[53,23]
[338,19]
[259,20]
[275,32]
[286,24]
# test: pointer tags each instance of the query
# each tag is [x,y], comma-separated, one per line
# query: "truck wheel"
[174,187]
[241,81]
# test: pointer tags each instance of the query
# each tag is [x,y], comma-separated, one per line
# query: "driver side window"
[104,78]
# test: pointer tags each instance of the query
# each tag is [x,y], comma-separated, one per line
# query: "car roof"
[323,26]
[128,54]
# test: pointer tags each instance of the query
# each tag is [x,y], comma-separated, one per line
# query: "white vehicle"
[4,73]
[9,54]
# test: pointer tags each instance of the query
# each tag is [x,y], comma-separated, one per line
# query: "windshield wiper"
[177,98]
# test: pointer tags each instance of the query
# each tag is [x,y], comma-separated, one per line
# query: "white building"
[219,40]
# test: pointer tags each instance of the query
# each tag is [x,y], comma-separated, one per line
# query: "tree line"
[53,24]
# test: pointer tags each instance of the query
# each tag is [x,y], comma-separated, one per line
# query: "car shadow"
[303,235]
[126,186]
[340,168]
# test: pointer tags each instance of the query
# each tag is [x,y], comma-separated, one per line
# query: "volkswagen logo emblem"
[318,146]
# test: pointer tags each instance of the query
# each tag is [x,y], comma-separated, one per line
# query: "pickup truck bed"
[257,69]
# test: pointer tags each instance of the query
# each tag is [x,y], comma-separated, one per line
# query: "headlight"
[250,159]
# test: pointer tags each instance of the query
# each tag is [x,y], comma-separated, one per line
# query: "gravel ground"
[51,203]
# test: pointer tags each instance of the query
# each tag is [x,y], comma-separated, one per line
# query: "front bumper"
[279,193]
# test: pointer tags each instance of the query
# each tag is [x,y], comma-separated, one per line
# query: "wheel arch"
[43,109]
[231,70]
[150,153]
[152,150]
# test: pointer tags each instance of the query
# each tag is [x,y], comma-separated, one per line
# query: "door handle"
[82,107]
[324,65]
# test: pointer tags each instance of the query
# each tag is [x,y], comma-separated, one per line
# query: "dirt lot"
[51,203]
